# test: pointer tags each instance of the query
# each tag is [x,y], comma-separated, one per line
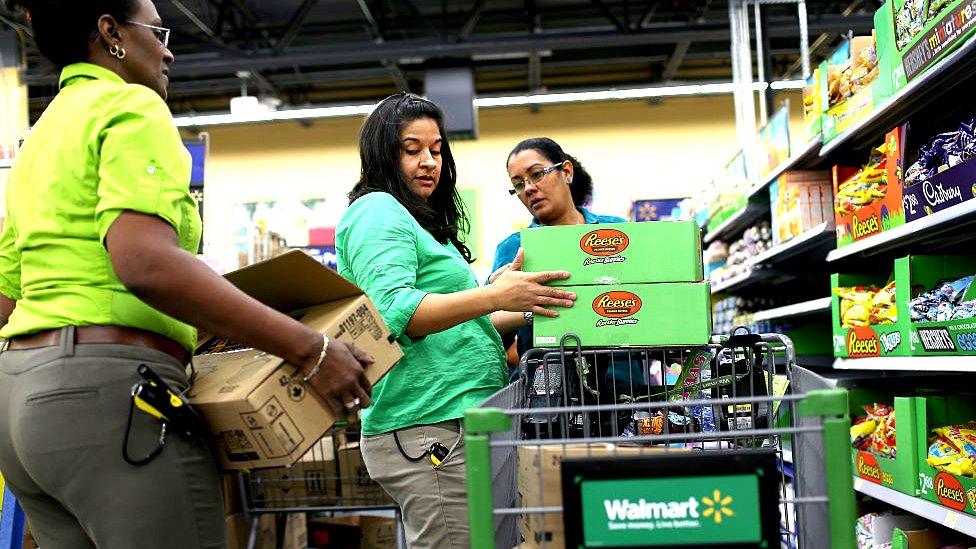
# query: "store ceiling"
[353,51]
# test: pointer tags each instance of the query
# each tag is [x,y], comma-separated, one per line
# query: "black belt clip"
[153,396]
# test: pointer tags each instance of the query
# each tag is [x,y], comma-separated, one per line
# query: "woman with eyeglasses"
[554,188]
[98,277]
[401,242]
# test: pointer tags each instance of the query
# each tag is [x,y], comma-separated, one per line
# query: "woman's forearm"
[438,312]
[173,281]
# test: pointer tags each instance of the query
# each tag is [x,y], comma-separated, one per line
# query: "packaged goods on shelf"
[852,85]
[869,201]
[875,432]
[947,450]
[913,35]
[755,240]
[800,200]
[258,409]
[944,174]
[729,312]
[714,256]
[867,305]
[616,253]
[936,322]
[883,449]
[813,106]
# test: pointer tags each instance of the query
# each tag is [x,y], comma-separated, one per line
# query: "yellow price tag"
[950,519]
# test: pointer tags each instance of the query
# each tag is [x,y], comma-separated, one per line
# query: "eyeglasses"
[161,33]
[519,184]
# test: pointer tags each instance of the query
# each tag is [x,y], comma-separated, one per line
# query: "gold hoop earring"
[117,51]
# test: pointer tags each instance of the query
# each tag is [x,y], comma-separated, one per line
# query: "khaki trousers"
[433,500]
[63,413]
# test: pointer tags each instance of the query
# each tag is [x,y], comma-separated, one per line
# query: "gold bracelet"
[318,365]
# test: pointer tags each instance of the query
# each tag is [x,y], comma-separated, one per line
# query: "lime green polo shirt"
[383,249]
[102,147]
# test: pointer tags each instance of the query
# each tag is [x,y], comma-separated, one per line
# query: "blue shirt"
[508,249]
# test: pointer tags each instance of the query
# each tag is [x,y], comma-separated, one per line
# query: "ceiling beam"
[376,33]
[610,16]
[675,61]
[474,14]
[191,65]
[294,25]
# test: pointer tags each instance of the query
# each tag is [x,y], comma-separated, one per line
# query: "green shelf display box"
[617,253]
[956,492]
[904,337]
[913,35]
[900,472]
[631,315]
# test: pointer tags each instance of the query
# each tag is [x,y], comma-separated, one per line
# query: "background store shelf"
[738,222]
[957,70]
[960,522]
[814,306]
[807,157]
[909,363]
[813,244]
[948,220]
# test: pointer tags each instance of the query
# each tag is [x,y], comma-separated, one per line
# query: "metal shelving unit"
[738,222]
[953,71]
[807,157]
[818,237]
[949,219]
[815,306]
[909,363]
[960,522]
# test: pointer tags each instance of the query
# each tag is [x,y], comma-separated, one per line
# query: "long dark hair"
[582,187]
[442,214]
[63,29]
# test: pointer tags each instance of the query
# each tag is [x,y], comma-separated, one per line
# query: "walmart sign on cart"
[691,511]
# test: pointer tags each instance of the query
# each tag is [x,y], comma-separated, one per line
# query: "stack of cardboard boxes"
[264,418]
[636,283]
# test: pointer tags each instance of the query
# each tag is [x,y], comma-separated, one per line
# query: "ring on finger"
[352,403]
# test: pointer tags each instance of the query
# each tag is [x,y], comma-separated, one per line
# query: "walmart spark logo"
[717,506]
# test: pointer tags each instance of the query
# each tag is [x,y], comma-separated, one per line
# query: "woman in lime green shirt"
[97,276]
[400,242]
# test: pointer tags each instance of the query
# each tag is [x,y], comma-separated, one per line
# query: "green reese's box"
[631,314]
[616,253]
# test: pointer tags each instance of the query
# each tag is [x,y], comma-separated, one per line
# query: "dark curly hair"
[63,29]
[582,187]
[442,214]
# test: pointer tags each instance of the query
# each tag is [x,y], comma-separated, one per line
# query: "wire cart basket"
[330,479]
[615,447]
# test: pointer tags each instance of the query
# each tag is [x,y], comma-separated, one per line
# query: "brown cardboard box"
[311,482]
[238,528]
[540,484]
[267,532]
[356,486]
[258,408]
[296,532]
[231,494]
[378,533]
[362,531]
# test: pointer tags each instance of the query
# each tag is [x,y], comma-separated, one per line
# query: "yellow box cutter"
[154,397]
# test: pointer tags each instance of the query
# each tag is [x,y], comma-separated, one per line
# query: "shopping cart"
[580,424]
[330,479]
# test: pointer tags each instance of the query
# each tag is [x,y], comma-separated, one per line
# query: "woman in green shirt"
[97,276]
[400,242]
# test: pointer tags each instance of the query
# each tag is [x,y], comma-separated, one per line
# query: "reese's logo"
[864,226]
[950,491]
[604,242]
[862,342]
[616,307]
[867,467]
